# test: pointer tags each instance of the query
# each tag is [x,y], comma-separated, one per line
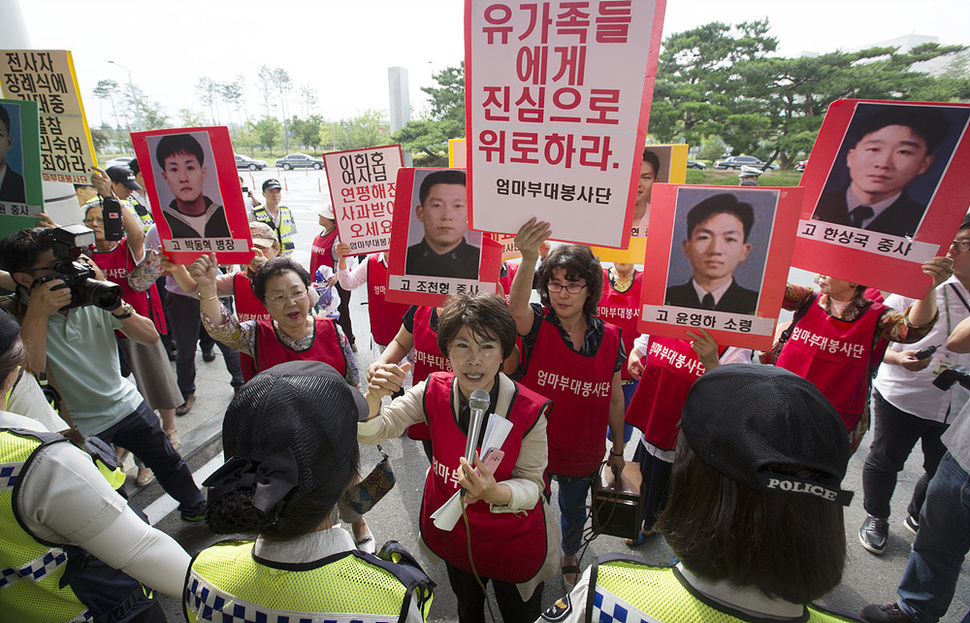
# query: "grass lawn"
[730,178]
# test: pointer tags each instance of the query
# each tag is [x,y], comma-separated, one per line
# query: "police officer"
[770,457]
[291,434]
[277,216]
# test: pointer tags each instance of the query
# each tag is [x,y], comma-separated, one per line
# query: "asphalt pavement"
[867,579]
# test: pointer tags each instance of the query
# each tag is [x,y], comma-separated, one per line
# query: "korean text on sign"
[557,98]
[47,77]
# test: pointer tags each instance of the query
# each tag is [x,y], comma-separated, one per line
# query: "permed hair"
[579,264]
[724,203]
[172,144]
[486,315]
[274,268]
[447,176]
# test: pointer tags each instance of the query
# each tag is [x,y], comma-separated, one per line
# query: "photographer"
[74,340]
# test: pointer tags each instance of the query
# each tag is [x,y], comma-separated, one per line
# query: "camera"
[78,277]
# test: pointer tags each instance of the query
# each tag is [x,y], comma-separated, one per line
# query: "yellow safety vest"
[283,232]
[624,588]
[225,583]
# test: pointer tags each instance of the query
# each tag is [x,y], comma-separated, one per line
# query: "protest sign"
[884,192]
[557,99]
[362,191]
[47,77]
[726,253]
[193,187]
[433,255]
[659,163]
[21,192]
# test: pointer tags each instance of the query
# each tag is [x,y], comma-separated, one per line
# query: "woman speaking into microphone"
[512,538]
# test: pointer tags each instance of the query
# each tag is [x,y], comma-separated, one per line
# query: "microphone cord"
[471,561]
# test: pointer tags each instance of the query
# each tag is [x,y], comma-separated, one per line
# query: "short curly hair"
[579,264]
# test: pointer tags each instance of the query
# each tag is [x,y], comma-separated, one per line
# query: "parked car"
[299,161]
[694,164]
[736,162]
[800,165]
[245,162]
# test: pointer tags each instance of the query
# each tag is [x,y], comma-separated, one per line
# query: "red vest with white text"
[326,347]
[428,359]
[836,356]
[623,310]
[385,317]
[669,370]
[505,546]
[116,264]
[321,252]
[579,387]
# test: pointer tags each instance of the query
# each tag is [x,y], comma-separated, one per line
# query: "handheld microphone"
[478,403]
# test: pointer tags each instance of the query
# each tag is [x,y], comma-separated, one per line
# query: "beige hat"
[326,211]
[262,234]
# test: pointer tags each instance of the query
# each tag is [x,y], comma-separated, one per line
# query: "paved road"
[868,578]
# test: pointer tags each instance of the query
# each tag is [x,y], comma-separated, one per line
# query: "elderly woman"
[574,359]
[509,540]
[291,333]
[289,436]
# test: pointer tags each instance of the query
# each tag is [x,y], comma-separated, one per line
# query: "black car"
[299,161]
[245,162]
[736,162]
[694,164]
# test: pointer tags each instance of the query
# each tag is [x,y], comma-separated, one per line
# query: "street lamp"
[134,95]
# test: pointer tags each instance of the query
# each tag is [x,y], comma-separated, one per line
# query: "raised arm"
[529,238]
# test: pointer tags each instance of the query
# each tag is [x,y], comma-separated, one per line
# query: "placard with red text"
[557,97]
[362,191]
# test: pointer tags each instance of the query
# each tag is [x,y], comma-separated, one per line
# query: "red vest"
[580,387]
[836,356]
[248,307]
[321,252]
[506,281]
[670,368]
[116,265]
[505,546]
[326,347]
[623,310]
[427,359]
[385,317]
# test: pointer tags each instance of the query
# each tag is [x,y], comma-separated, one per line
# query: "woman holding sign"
[575,359]
[511,539]
[837,339]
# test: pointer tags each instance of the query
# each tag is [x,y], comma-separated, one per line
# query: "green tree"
[153,114]
[445,119]
[306,132]
[267,131]
[189,118]
[368,129]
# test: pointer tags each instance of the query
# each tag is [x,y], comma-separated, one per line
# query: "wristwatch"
[127,310]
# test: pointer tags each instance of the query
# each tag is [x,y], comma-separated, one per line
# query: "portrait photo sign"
[21,190]
[557,98]
[721,257]
[362,191]
[47,77]
[672,170]
[193,187]
[885,190]
[433,254]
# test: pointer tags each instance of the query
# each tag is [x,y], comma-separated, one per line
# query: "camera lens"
[103,294]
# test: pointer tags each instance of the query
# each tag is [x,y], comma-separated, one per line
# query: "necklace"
[618,284]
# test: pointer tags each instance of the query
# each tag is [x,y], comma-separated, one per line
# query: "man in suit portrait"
[442,210]
[11,182]
[892,148]
[717,242]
